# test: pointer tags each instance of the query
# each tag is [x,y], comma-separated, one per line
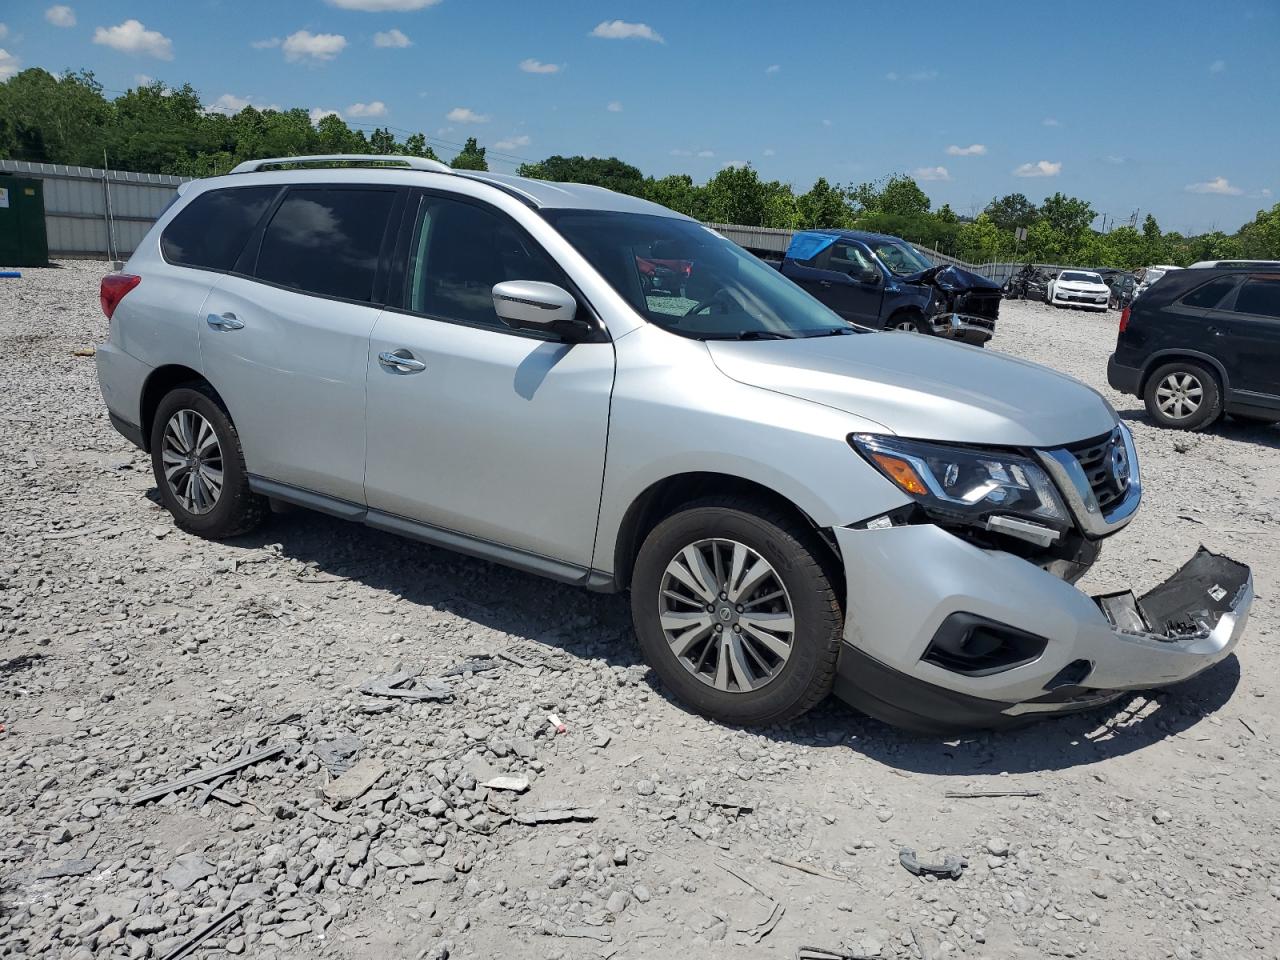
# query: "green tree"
[334,136]
[1260,239]
[156,129]
[825,205]
[416,146]
[676,192]
[471,157]
[898,195]
[1012,211]
[608,172]
[737,195]
[51,119]
[1154,248]
[383,143]
[982,241]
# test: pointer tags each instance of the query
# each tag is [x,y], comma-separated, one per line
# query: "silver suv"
[486,363]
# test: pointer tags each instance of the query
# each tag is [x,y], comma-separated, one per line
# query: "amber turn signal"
[900,472]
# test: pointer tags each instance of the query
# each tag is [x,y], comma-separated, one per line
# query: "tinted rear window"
[1210,294]
[326,240]
[212,229]
[1260,296]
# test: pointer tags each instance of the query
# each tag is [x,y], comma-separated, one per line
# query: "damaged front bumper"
[964,327]
[978,638]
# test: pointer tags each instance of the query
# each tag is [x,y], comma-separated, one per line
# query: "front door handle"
[227,321]
[401,361]
[824,283]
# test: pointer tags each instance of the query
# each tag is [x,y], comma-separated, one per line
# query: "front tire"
[1183,395]
[199,465]
[736,609]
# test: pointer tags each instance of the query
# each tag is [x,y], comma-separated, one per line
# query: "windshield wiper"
[753,335]
[835,332]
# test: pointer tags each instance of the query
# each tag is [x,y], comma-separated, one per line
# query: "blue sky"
[1168,108]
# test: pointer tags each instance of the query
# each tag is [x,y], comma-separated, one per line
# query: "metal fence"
[96,213]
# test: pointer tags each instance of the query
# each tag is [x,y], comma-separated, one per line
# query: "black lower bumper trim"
[879,691]
[1122,378]
[129,431]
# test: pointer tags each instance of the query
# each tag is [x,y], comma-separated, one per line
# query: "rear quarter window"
[326,241]
[1210,294]
[212,229]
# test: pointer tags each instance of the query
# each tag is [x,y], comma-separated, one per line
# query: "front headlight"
[993,489]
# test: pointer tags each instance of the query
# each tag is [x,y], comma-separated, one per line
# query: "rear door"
[1250,321]
[286,336]
[489,432]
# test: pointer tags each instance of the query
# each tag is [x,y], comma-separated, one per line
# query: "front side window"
[898,257]
[847,258]
[326,241]
[212,229]
[1210,294]
[459,251]
[723,292]
[1260,296]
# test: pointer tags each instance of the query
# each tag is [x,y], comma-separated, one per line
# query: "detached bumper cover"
[962,326]
[905,582]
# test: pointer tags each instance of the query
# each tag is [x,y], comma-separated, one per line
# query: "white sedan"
[1079,288]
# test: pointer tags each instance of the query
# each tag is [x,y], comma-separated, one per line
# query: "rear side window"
[1261,296]
[212,229]
[1210,294]
[326,241]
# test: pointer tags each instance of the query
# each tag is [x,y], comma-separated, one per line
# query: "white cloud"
[622,30]
[531,65]
[1115,159]
[133,38]
[512,143]
[315,47]
[931,173]
[8,64]
[1051,122]
[60,15]
[773,68]
[615,106]
[319,113]
[1218,66]
[383,6]
[973,150]
[769,151]
[1041,168]
[466,115]
[1219,185]
[391,38]
[4,31]
[143,80]
[1266,191]
[706,154]
[826,122]
[681,152]
[268,44]
[374,109]
[228,103]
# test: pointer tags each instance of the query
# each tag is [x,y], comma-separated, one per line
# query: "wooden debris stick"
[188,946]
[805,868]
[982,794]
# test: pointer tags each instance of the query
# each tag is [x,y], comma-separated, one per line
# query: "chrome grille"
[1106,466]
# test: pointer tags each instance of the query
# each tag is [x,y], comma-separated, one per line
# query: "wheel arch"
[664,497]
[1172,355]
[160,382]
[909,310]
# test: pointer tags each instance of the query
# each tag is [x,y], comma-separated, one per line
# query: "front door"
[495,434]
[285,339]
[861,295]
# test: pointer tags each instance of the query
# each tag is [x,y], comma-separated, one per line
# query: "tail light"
[1124,319]
[113,288]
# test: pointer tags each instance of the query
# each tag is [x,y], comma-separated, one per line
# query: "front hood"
[951,279]
[924,387]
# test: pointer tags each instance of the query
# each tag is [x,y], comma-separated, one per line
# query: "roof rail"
[413,163]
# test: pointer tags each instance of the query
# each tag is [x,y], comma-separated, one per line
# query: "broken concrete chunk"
[187,870]
[338,754]
[355,782]
[66,868]
[560,815]
[516,784]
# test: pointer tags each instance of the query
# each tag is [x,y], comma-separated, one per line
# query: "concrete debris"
[187,870]
[355,782]
[204,776]
[66,868]
[514,784]
[338,754]
[407,685]
[555,815]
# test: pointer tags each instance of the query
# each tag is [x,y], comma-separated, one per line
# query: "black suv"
[1201,342]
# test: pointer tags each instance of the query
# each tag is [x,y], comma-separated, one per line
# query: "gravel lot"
[132,654]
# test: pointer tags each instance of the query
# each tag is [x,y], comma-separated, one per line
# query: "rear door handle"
[401,361]
[227,321]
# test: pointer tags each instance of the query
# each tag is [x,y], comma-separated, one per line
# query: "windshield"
[690,280]
[1075,276]
[899,257]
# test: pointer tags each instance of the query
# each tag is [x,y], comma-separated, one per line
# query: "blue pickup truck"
[886,284]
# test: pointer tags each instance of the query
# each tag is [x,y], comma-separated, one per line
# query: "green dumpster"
[22,238]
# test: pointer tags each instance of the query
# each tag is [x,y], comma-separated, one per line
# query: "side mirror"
[868,275]
[533,305]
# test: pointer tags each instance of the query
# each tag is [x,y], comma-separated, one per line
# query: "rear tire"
[1183,395]
[737,662]
[199,465]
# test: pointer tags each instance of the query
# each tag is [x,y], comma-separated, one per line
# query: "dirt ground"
[132,654]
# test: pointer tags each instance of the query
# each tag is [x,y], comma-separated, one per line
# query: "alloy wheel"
[1179,395]
[906,326]
[726,615]
[192,459]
